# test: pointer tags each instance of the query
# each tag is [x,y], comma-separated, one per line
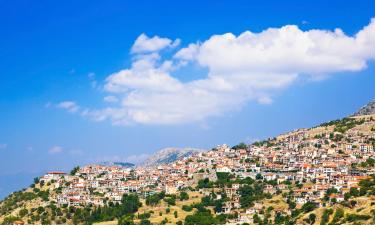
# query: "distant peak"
[368,109]
[169,155]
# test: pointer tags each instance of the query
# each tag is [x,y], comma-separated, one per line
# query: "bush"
[23,212]
[155,199]
[339,214]
[308,207]
[356,217]
[201,218]
[170,200]
[187,208]
[144,216]
[145,222]
[205,183]
[325,216]
[184,196]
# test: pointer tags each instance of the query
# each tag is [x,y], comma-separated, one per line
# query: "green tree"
[145,222]
[339,214]
[312,218]
[74,170]
[130,203]
[240,146]
[184,196]
[200,218]
[126,220]
[308,207]
[23,212]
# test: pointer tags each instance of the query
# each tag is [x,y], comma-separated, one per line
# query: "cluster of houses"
[318,158]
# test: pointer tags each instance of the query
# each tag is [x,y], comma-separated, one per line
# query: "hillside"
[321,175]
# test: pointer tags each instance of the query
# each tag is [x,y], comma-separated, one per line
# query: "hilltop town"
[322,175]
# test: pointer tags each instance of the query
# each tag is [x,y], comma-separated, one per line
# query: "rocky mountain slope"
[169,155]
[368,109]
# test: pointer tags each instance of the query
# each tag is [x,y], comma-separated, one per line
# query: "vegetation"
[205,183]
[155,198]
[344,124]
[251,193]
[240,146]
[74,170]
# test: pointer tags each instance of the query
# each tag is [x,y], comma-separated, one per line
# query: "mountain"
[122,164]
[368,109]
[168,155]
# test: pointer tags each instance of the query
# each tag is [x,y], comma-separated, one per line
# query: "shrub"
[187,208]
[308,207]
[184,196]
[356,217]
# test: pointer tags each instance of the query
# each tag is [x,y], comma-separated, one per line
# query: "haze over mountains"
[162,156]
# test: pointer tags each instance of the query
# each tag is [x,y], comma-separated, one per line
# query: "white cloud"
[3,146]
[188,53]
[110,99]
[55,150]
[243,68]
[70,106]
[145,44]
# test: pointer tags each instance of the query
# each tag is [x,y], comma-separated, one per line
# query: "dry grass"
[363,207]
[194,197]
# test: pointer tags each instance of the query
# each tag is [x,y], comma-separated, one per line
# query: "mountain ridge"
[367,109]
[169,155]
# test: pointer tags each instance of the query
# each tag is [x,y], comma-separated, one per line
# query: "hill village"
[333,156]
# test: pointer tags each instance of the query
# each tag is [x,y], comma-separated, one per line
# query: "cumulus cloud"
[144,44]
[55,150]
[70,106]
[240,69]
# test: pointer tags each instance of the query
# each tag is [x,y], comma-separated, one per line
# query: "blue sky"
[56,60]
